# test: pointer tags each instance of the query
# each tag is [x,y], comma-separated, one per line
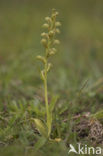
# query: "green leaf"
[51,108]
[53,102]
[41,127]
[98,115]
[40,143]
[41,58]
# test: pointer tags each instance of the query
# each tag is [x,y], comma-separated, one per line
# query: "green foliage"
[98,116]
[77,75]
[41,142]
[41,127]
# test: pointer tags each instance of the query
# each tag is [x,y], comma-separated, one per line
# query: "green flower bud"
[56,13]
[42,75]
[51,33]
[58,24]
[41,58]
[53,49]
[43,34]
[51,53]
[53,16]
[48,19]
[56,42]
[49,67]
[45,25]
[44,42]
[58,31]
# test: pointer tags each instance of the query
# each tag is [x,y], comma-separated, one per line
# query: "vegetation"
[35,120]
[48,42]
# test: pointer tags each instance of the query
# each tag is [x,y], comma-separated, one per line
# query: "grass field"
[76,77]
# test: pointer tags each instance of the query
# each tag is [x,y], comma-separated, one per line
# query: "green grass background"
[79,60]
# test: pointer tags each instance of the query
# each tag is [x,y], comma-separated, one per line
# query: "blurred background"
[78,63]
[79,56]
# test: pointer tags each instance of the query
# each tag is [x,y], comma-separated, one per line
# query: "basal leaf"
[40,143]
[53,102]
[41,127]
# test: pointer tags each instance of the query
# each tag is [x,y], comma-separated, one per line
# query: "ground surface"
[76,77]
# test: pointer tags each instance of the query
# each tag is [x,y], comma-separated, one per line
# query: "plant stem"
[46,93]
